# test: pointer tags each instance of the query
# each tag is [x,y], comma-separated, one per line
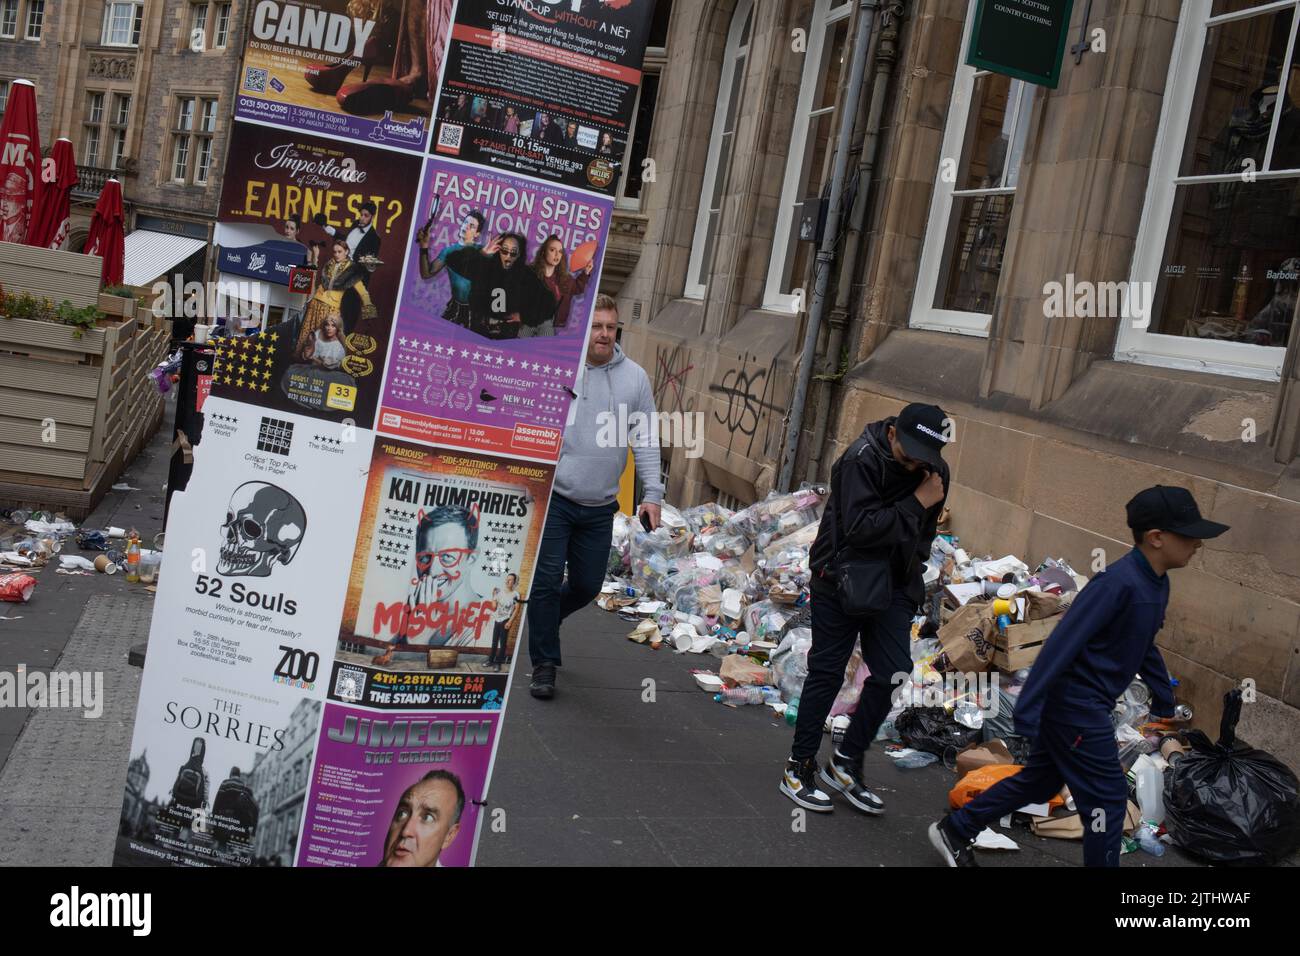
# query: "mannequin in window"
[1260,215]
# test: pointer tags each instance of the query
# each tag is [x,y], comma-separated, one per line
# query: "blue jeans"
[576,536]
[1087,759]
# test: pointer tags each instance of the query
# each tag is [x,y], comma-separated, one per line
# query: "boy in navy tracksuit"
[1106,637]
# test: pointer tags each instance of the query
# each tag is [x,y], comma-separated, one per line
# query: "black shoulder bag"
[864,584]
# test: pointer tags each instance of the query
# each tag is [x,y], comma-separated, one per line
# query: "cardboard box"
[1021,644]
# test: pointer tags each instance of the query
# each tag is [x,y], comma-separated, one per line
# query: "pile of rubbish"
[734,586]
[35,538]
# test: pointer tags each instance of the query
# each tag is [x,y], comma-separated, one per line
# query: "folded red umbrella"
[107,236]
[52,213]
[20,161]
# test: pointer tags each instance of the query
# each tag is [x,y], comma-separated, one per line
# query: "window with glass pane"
[223,26]
[1231,264]
[813,172]
[122,23]
[35,18]
[645,114]
[992,146]
[4,95]
[9,19]
[198,37]
[181,138]
[117,133]
[730,88]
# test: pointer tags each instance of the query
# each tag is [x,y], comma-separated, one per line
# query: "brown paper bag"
[967,639]
[739,670]
[1070,827]
[981,755]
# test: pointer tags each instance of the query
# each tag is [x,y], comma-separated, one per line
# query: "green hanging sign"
[1021,38]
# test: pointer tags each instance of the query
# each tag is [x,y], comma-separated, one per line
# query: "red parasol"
[20,161]
[107,237]
[51,216]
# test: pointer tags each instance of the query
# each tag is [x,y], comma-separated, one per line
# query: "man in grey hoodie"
[584,498]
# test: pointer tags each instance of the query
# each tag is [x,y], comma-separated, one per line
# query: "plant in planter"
[80,319]
[117,300]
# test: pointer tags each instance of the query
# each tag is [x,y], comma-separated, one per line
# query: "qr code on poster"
[255,80]
[449,136]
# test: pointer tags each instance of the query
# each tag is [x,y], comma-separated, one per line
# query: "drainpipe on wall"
[884,54]
[826,254]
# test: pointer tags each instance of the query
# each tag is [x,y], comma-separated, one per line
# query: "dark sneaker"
[799,783]
[543,683]
[954,850]
[845,775]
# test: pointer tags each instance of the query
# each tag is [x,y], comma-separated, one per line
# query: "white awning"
[149,256]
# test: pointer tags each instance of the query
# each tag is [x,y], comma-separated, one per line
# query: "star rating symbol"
[403,341]
[500,359]
[464,353]
[438,349]
[266,388]
[511,363]
[266,374]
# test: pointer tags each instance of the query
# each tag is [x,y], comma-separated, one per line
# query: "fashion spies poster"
[502,275]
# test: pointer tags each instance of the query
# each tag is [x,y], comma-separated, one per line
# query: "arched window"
[721,142]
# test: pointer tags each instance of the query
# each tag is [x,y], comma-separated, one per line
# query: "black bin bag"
[1230,803]
[932,730]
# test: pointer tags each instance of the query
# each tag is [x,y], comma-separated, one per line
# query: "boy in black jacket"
[1106,637]
[887,491]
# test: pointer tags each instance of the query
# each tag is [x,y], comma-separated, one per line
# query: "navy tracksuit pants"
[1087,760]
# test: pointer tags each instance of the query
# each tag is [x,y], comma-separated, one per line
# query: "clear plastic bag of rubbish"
[708,515]
[726,546]
[762,619]
[654,556]
[790,662]
[855,675]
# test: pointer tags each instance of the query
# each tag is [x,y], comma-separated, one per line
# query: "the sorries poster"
[544,88]
[501,279]
[363,70]
[397,790]
[440,576]
[242,641]
[343,211]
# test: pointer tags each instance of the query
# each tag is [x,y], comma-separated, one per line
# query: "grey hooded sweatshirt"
[591,465]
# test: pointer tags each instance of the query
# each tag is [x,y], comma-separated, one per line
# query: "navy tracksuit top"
[1105,638]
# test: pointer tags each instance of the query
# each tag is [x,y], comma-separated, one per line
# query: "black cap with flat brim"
[921,430]
[1170,508]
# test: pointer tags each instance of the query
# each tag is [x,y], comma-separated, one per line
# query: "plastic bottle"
[1150,790]
[744,695]
[133,559]
[792,711]
[1147,840]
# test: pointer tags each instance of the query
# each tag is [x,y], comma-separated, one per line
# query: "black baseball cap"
[1168,508]
[920,430]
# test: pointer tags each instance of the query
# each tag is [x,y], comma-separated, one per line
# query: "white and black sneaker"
[799,783]
[954,850]
[845,775]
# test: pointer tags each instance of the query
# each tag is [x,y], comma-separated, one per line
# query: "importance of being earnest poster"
[545,88]
[364,70]
[345,211]
[397,789]
[443,565]
[241,641]
[502,275]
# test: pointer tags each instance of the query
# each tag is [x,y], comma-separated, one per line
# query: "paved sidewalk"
[599,777]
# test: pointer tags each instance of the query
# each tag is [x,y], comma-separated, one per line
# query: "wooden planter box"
[116,305]
[62,396]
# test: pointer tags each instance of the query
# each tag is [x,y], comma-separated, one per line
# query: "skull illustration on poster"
[264,527]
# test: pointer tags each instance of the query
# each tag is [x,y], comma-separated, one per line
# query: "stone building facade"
[144,90]
[279,783]
[983,216]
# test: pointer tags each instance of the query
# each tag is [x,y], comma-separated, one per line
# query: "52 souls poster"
[340,214]
[440,577]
